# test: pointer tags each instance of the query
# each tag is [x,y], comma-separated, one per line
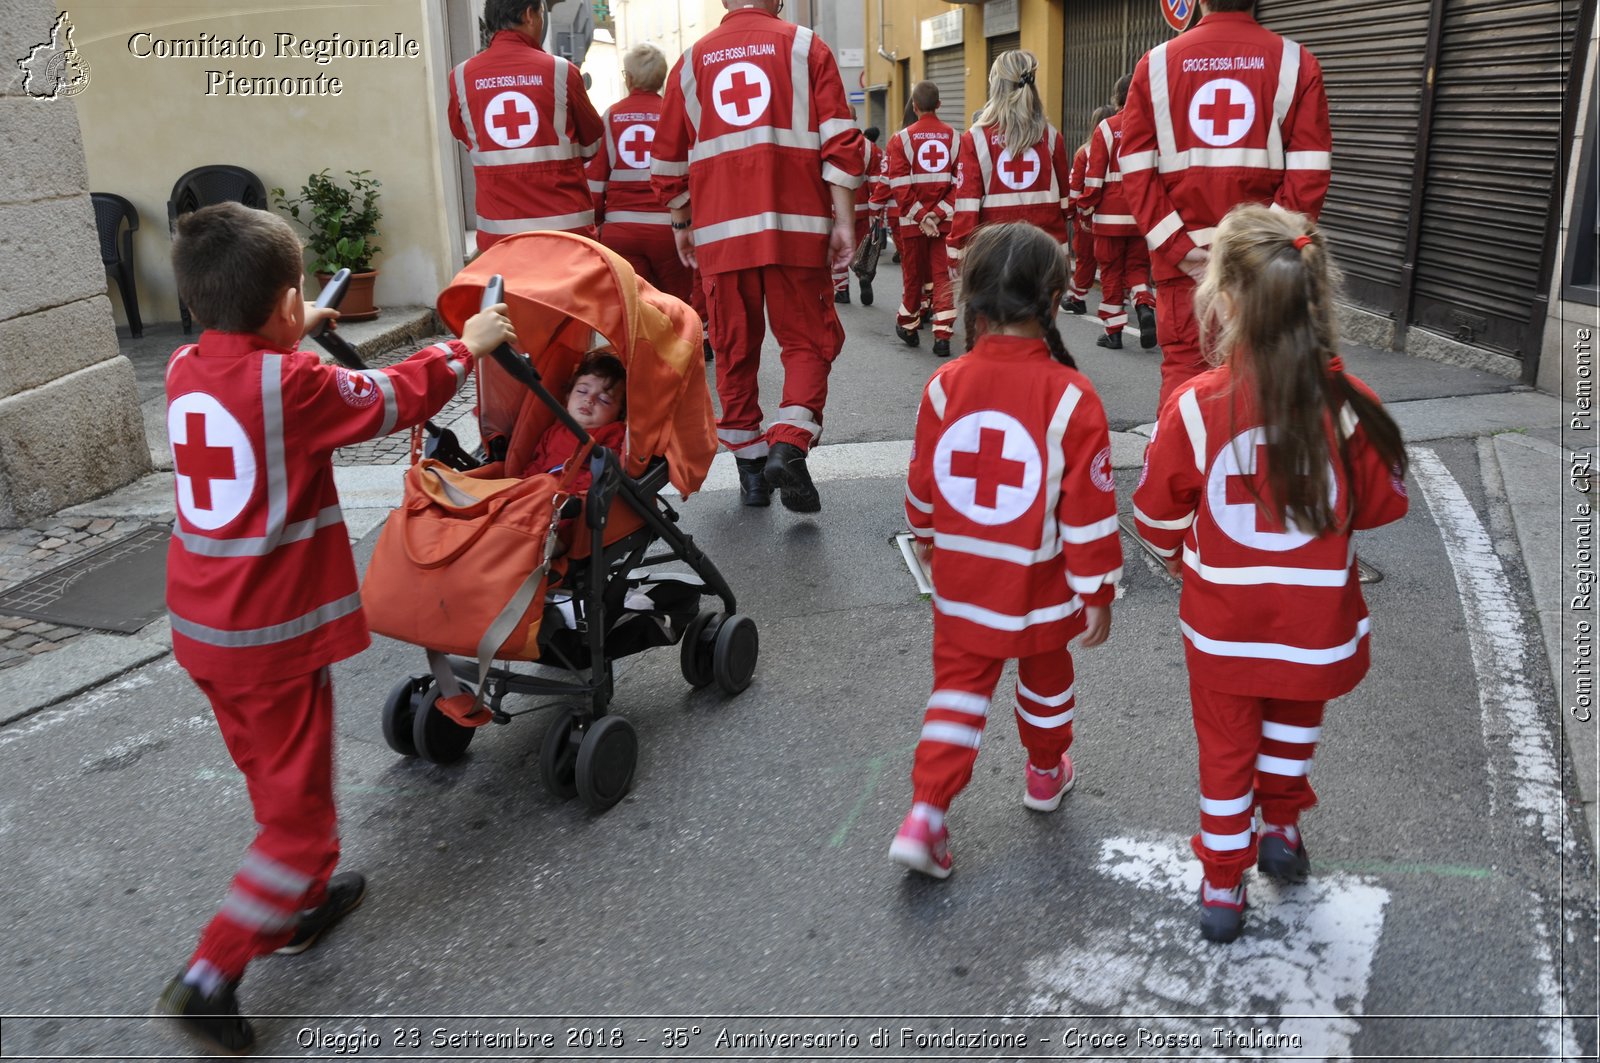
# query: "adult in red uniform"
[1226,113]
[1084,266]
[527,122]
[1118,241]
[996,179]
[874,176]
[922,169]
[764,207]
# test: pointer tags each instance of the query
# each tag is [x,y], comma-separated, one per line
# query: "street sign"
[857,96]
[1178,13]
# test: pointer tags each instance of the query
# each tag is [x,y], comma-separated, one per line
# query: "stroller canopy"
[561,289]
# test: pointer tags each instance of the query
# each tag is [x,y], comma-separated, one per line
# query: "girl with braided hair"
[1012,165]
[1259,472]
[1011,500]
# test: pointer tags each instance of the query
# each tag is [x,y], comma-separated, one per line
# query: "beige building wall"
[671,25]
[147,120]
[1558,359]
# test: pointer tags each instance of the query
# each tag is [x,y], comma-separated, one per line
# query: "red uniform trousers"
[1253,752]
[963,683]
[799,302]
[1124,270]
[925,274]
[280,734]
[653,254]
[1084,263]
[1178,333]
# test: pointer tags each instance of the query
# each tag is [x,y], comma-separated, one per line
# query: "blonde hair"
[1014,105]
[645,66]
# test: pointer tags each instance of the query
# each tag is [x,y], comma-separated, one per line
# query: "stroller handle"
[521,368]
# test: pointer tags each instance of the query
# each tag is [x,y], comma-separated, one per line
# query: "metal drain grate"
[119,587]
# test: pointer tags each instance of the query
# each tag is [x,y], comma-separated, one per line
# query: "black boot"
[1147,325]
[213,1020]
[908,336]
[1112,341]
[941,348]
[842,295]
[753,489]
[866,293]
[1075,306]
[786,470]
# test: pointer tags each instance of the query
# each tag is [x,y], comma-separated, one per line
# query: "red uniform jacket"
[619,174]
[527,121]
[872,177]
[883,196]
[260,579]
[1225,113]
[754,127]
[922,171]
[993,185]
[1266,611]
[557,446]
[1102,183]
[1080,163]
[1011,481]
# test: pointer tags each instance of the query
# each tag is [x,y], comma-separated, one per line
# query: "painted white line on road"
[1497,636]
[139,678]
[1307,950]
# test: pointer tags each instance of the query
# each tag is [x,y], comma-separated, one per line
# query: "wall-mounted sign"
[941,31]
[1178,13]
[1000,16]
[852,57]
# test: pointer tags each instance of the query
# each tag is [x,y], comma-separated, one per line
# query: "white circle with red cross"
[356,388]
[1018,172]
[212,459]
[1222,112]
[933,156]
[987,466]
[633,146]
[741,93]
[511,119]
[1237,477]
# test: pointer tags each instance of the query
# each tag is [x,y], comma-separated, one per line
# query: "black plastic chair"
[205,185]
[110,211]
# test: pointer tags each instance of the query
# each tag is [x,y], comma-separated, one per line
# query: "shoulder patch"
[1100,471]
[356,388]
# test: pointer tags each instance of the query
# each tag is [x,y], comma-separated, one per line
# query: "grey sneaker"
[1276,858]
[1221,912]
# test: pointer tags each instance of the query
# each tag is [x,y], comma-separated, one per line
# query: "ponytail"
[1011,273]
[1014,106]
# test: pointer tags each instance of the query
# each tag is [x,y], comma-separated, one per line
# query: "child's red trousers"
[280,734]
[1084,266]
[963,683]
[1253,752]
[1124,270]
[924,268]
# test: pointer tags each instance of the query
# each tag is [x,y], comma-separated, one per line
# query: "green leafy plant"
[340,222]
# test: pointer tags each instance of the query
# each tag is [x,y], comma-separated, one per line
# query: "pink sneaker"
[922,848]
[1045,791]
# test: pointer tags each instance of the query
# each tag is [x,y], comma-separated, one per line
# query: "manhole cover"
[119,587]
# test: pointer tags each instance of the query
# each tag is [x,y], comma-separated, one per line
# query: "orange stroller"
[454,543]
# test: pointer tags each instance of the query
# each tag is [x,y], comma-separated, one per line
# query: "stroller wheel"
[399,712]
[558,754]
[438,738]
[733,657]
[606,760]
[698,643]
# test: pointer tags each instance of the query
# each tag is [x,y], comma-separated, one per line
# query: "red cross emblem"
[987,466]
[1222,112]
[511,119]
[933,156]
[741,93]
[1246,488]
[1235,483]
[212,457]
[634,146]
[357,389]
[1019,171]
[201,463]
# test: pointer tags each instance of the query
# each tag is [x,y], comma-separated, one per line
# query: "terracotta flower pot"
[357,305]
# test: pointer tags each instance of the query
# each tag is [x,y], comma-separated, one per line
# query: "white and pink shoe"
[1046,789]
[921,847]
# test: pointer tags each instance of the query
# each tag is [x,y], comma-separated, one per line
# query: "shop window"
[1581,283]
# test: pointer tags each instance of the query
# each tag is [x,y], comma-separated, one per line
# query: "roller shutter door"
[1000,42]
[947,68]
[1495,144]
[1105,39]
[1373,67]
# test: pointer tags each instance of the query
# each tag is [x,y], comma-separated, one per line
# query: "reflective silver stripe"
[391,404]
[1274,651]
[610,138]
[918,504]
[1195,425]
[190,349]
[1161,101]
[461,102]
[1114,175]
[1078,534]
[1139,160]
[1226,843]
[1168,525]
[267,636]
[1114,320]
[1308,160]
[997,621]
[264,871]
[507,226]
[638,217]
[936,397]
[959,701]
[663,168]
[968,204]
[679,200]
[273,466]
[1054,701]
[1021,199]
[522,156]
[1288,77]
[1254,158]
[1090,584]
[763,222]
[630,175]
[560,78]
[1282,765]
[976,547]
[1202,237]
[1231,807]
[1093,182]
[597,188]
[900,182]
[800,83]
[1115,219]
[1284,732]
[732,436]
[1046,723]
[832,127]
[202,546]
[740,139]
[1348,421]
[940,178]
[954,734]
[980,147]
[835,176]
[1165,229]
[256,914]
[691,90]
[800,417]
[1256,575]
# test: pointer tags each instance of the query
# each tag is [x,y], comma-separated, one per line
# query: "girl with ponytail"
[1258,475]
[1011,499]
[1012,165]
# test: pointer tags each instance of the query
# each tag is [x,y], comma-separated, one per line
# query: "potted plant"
[341,223]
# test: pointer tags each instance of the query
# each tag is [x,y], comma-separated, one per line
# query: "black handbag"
[865,263]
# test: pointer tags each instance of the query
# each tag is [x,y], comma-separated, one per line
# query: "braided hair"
[1011,273]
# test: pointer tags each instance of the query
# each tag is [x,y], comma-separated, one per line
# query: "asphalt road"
[742,889]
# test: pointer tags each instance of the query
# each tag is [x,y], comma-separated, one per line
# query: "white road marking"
[1300,969]
[72,708]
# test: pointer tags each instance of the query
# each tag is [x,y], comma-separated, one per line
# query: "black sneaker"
[1221,913]
[1276,859]
[753,489]
[1147,325]
[941,348]
[910,337]
[1111,341]
[705,345]
[1075,306]
[866,293]
[346,891]
[786,470]
[842,296]
[895,258]
[214,1020]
